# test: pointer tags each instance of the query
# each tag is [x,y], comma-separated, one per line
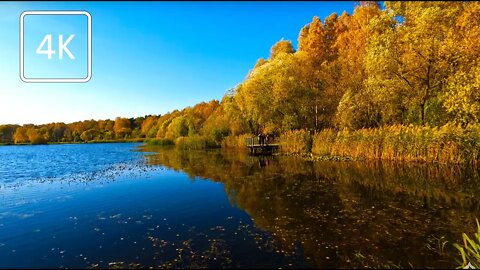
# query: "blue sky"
[150,57]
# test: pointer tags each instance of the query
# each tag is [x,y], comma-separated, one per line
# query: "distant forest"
[411,63]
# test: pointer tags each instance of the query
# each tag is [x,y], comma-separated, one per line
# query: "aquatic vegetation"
[160,142]
[470,250]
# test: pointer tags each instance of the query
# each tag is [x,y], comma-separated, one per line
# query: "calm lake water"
[128,205]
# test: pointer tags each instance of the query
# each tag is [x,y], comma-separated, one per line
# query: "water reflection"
[344,214]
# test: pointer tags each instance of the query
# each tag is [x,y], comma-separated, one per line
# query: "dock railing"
[254,141]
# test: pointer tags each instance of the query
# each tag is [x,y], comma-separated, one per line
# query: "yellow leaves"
[282,46]
[462,98]
[122,126]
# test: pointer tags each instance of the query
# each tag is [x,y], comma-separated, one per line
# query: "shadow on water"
[344,214]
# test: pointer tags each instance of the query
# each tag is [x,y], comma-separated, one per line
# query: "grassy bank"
[448,144]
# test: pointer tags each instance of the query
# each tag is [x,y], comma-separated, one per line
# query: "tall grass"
[238,141]
[296,142]
[161,142]
[446,144]
[195,143]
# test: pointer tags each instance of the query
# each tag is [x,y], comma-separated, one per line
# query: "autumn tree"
[34,136]
[462,97]
[149,127]
[177,128]
[20,135]
[7,133]
[414,62]
[356,108]
[282,46]
[122,127]
[88,135]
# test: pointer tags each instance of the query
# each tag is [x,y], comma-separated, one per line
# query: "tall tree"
[418,64]
[356,108]
[122,127]
[282,46]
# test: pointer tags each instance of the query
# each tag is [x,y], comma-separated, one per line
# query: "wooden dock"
[256,148]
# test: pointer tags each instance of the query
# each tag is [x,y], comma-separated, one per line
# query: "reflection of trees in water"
[345,214]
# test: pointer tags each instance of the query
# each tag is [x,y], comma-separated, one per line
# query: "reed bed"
[238,141]
[161,142]
[448,144]
[195,143]
[296,141]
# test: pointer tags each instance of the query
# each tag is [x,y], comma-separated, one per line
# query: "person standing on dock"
[260,139]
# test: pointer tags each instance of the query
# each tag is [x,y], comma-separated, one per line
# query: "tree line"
[171,125]
[409,63]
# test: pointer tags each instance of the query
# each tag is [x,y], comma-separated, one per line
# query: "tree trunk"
[422,111]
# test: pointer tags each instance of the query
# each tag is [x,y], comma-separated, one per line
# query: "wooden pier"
[267,148]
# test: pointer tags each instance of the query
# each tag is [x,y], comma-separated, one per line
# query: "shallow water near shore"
[129,205]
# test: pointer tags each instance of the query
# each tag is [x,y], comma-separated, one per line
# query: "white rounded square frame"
[89,48]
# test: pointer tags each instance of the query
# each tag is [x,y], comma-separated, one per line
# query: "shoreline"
[89,142]
[303,155]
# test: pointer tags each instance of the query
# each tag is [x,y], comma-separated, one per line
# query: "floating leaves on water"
[218,228]
[116,265]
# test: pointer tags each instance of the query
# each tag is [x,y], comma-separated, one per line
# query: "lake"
[128,205]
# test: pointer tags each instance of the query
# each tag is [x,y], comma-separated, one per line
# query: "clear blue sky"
[150,57]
